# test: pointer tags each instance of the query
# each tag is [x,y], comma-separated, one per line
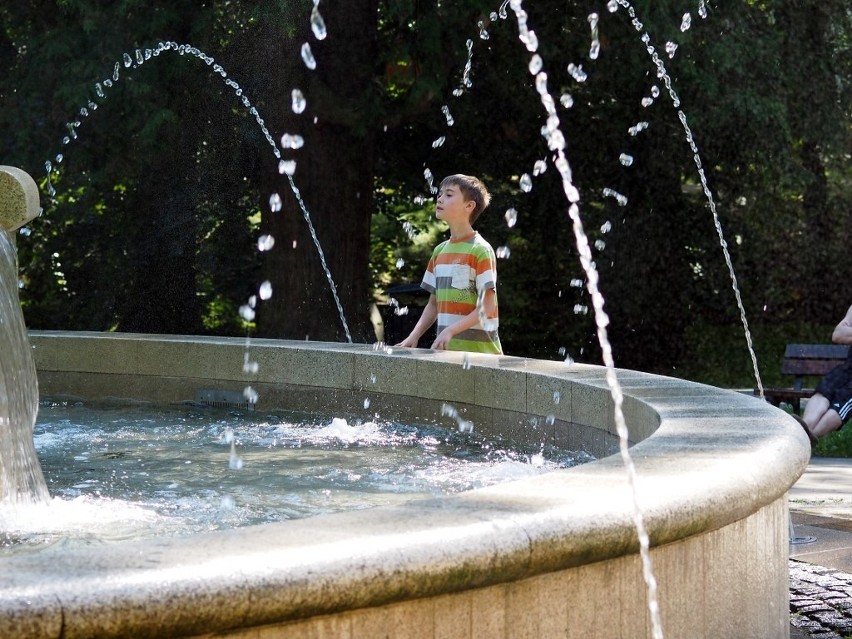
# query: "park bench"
[801,361]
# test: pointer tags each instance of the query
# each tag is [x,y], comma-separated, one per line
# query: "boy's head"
[472,189]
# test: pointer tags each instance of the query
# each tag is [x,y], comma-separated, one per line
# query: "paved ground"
[821,555]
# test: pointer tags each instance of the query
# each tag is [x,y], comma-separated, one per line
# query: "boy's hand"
[442,340]
[408,342]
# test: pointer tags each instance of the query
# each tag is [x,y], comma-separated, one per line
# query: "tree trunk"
[334,175]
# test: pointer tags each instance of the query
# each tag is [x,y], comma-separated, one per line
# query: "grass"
[719,356]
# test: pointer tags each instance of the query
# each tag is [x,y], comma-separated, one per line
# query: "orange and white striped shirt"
[459,273]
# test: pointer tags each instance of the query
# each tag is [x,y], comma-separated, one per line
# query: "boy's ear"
[470,206]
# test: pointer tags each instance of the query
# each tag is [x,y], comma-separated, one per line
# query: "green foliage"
[836,444]
[157,202]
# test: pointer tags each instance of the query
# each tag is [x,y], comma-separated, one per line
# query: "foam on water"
[119,472]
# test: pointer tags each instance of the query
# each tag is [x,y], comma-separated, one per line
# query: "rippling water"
[133,471]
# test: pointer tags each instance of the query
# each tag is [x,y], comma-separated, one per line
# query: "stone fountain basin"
[553,555]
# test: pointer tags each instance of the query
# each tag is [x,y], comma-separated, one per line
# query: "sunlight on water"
[119,472]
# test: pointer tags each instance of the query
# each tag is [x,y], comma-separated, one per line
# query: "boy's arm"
[489,307]
[843,332]
[427,318]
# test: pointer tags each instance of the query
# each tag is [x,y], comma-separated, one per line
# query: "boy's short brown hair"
[473,189]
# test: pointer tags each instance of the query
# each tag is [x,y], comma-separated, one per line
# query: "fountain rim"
[712,457]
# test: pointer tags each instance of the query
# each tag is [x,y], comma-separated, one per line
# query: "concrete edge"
[716,458]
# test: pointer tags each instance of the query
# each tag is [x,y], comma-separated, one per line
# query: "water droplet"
[250,394]
[549,420]
[318,24]
[265,243]
[400,263]
[439,142]
[557,397]
[539,167]
[646,102]
[503,252]
[401,310]
[265,290]
[48,166]
[655,92]
[247,312]
[298,102]
[446,111]
[511,217]
[671,47]
[621,199]
[525,183]
[26,231]
[686,22]
[99,90]
[466,362]
[308,56]
[625,159]
[566,100]
[612,6]
[635,130]
[535,64]
[595,47]
[275,202]
[128,61]
[427,173]
[702,10]
[606,227]
[600,245]
[287,167]
[59,158]
[483,34]
[367,403]
[594,50]
[576,72]
[577,283]
[140,57]
[292,141]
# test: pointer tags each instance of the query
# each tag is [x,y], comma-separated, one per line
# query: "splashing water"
[556,142]
[21,480]
[662,73]
[286,167]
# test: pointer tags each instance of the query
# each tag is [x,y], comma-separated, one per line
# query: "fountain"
[515,559]
[553,555]
[21,481]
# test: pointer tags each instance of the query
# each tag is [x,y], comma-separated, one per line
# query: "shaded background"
[162,190]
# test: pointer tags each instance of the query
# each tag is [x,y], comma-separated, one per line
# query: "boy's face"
[452,206]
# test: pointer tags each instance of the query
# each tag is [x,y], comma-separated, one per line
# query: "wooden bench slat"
[809,366]
[816,351]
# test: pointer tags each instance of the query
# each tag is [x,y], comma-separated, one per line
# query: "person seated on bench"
[831,405]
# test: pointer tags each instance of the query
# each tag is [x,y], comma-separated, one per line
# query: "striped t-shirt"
[458,273]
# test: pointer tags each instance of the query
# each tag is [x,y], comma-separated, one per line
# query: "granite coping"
[707,458]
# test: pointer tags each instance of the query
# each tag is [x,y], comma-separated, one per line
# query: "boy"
[461,276]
